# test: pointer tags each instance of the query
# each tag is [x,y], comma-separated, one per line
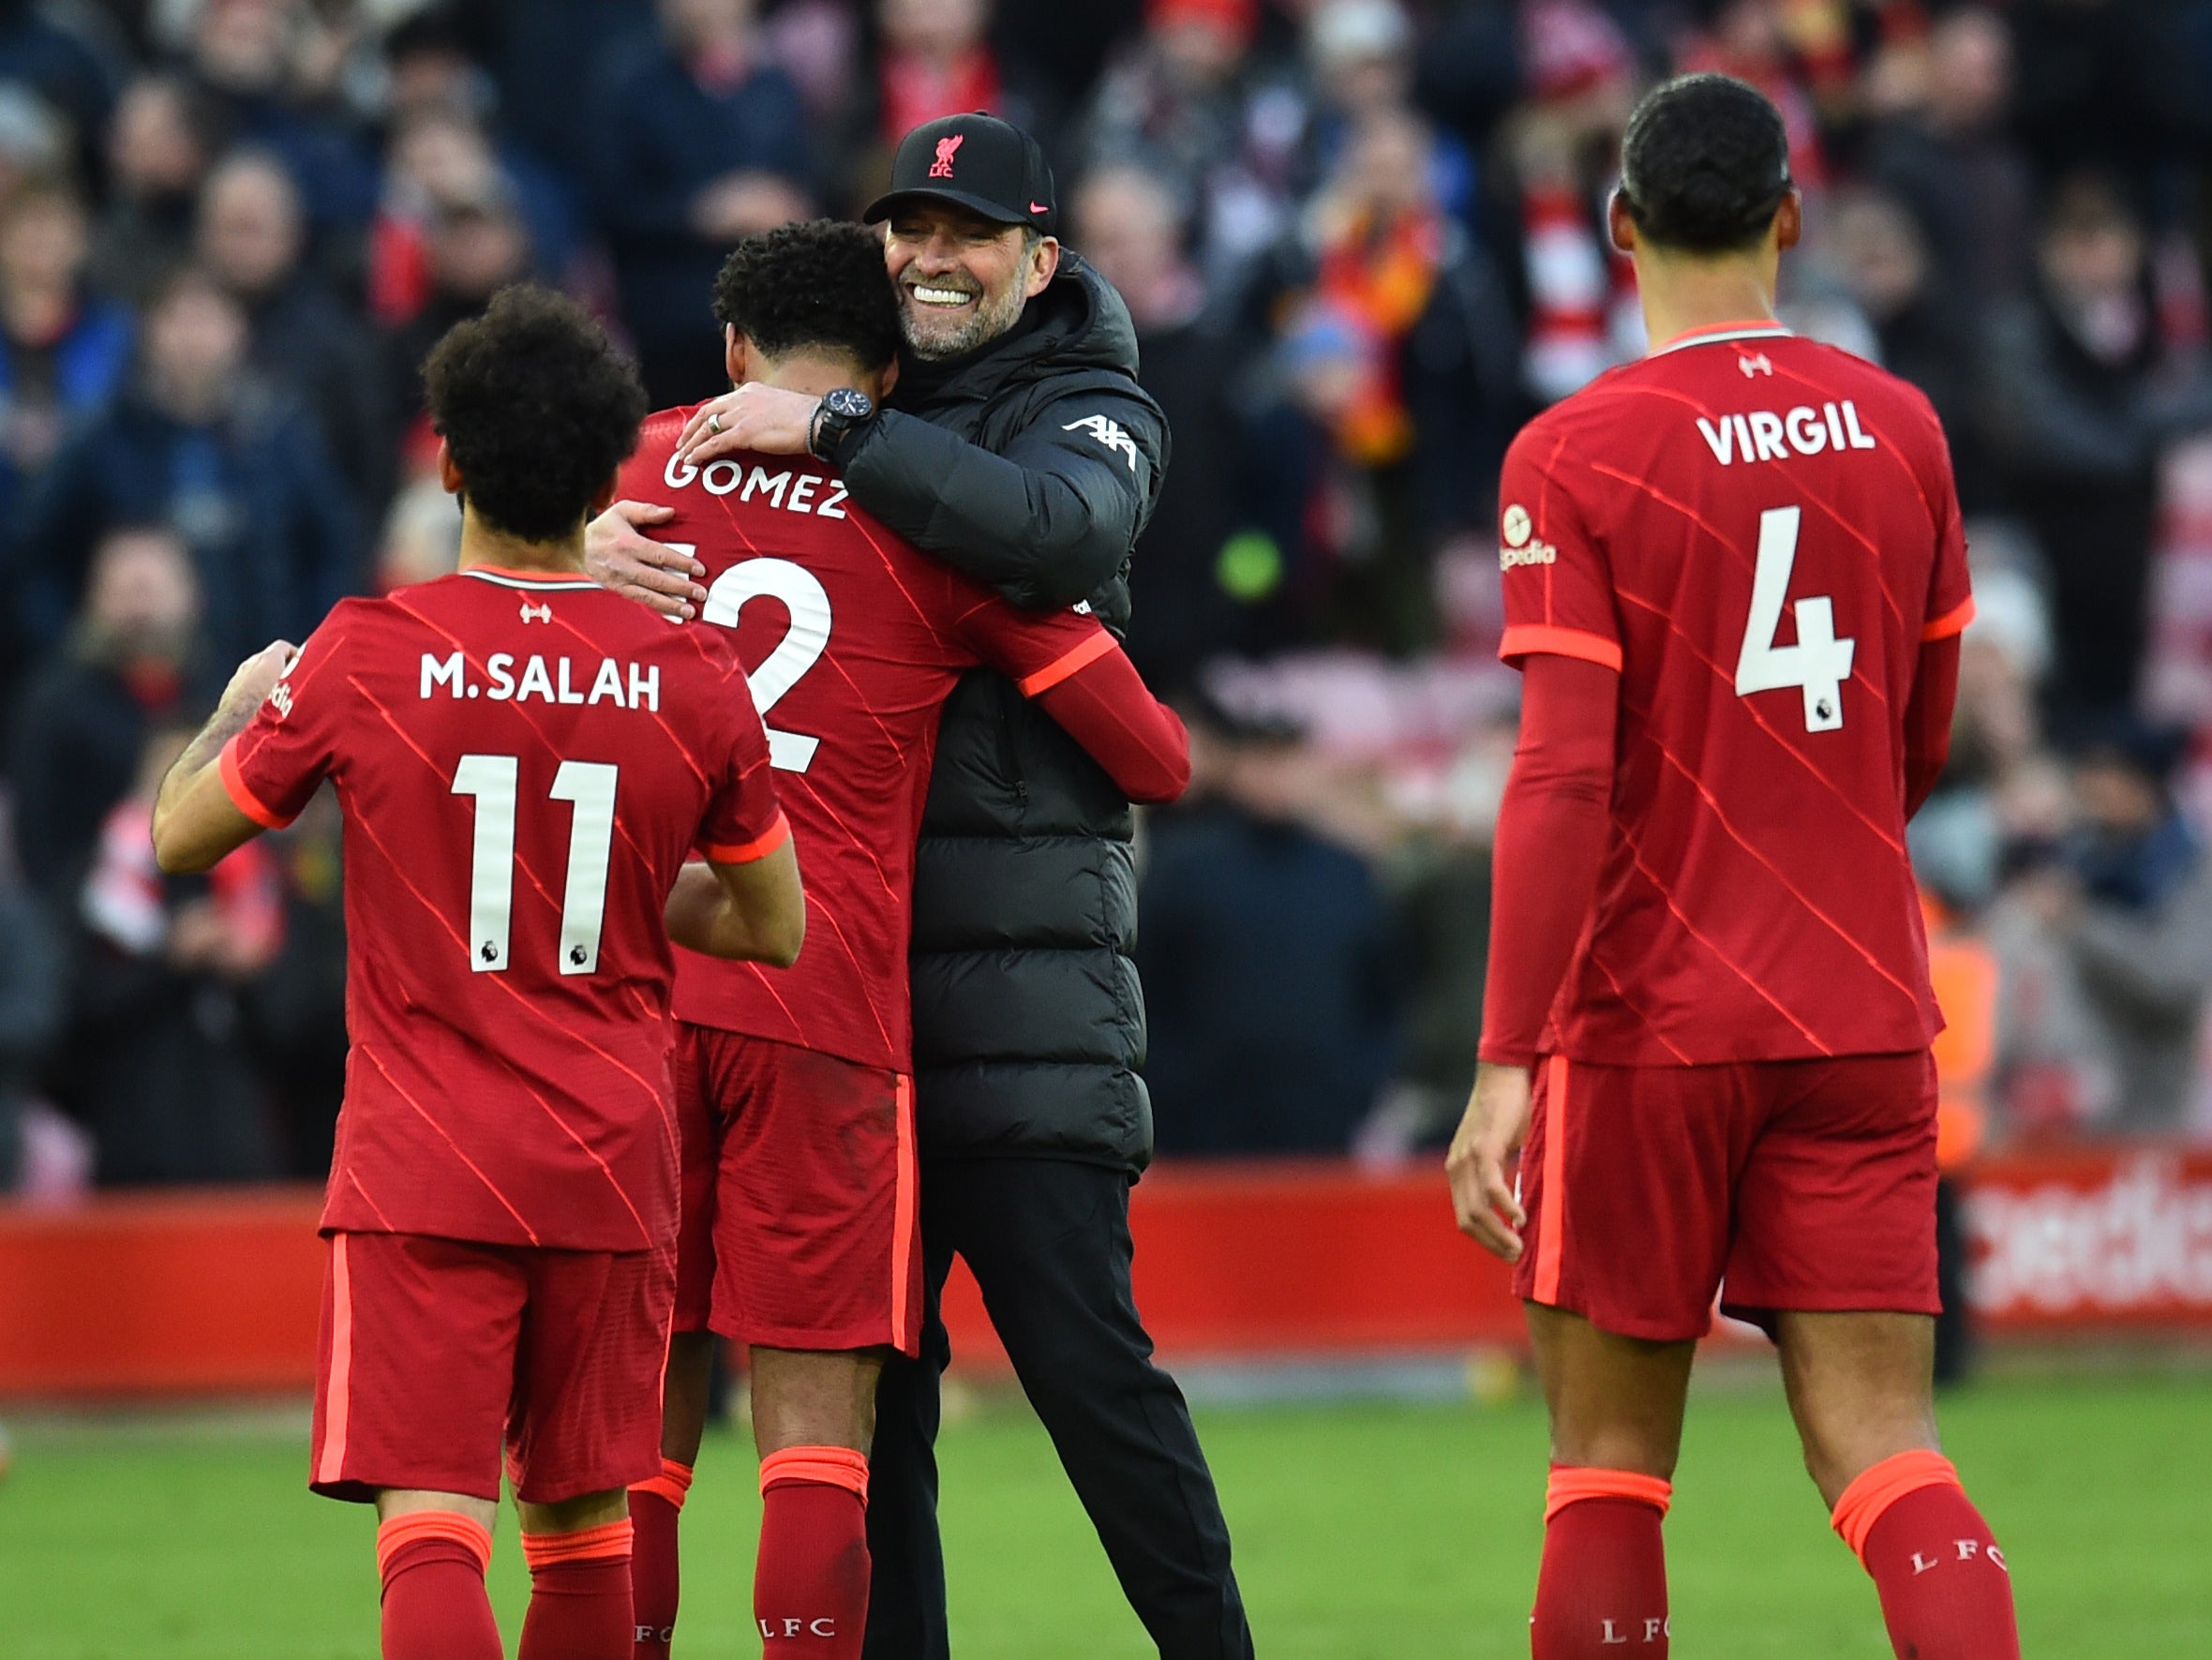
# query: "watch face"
[849,403]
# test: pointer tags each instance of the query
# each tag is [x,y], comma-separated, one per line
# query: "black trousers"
[1954,1326]
[1048,1242]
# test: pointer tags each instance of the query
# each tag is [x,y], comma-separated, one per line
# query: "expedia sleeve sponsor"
[1518,541]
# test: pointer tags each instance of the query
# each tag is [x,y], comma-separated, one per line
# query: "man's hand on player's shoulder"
[623,559]
[1495,1124]
[764,420]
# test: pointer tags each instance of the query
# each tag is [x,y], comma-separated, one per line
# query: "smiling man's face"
[960,279]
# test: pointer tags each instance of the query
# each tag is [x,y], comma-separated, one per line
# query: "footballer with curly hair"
[801,1218]
[524,762]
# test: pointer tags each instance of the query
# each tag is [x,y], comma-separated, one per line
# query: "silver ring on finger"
[714,424]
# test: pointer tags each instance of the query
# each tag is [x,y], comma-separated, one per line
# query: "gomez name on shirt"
[720,478]
[556,680]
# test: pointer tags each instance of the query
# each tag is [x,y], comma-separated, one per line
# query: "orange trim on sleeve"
[1100,645]
[1550,1236]
[1528,639]
[671,1485]
[608,1540]
[822,1466]
[417,1525]
[746,853]
[1953,621]
[1568,1486]
[242,796]
[1875,1489]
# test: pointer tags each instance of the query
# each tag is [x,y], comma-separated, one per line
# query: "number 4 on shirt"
[1819,664]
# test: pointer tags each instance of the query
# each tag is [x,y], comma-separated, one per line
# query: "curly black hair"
[538,408]
[1704,164]
[818,283]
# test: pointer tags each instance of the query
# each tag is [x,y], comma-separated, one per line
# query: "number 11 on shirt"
[591,786]
[1819,664]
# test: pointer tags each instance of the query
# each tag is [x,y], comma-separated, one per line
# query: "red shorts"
[1782,1185]
[435,1352]
[800,1227]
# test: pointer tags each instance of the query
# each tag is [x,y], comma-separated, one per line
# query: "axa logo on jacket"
[1110,433]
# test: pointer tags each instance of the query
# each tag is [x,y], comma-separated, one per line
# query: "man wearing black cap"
[1020,450]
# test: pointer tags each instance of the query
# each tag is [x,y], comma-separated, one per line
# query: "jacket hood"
[1079,322]
[1088,317]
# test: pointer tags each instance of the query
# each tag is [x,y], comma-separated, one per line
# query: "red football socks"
[1601,1594]
[809,1585]
[579,1595]
[655,1583]
[1946,1593]
[432,1565]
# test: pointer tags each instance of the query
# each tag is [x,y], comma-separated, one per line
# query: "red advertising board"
[2112,1238]
[164,1294]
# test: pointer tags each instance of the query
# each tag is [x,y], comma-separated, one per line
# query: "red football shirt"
[854,640]
[1758,532]
[524,763]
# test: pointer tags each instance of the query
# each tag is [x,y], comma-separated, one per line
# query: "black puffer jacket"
[1031,465]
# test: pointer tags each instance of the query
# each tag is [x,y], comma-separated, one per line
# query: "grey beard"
[991,320]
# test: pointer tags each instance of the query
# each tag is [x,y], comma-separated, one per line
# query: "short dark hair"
[538,408]
[817,282]
[1705,164]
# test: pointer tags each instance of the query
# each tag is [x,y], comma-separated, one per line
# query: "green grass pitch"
[1363,1532]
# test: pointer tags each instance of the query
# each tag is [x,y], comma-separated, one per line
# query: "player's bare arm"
[1490,1134]
[195,821]
[623,559]
[754,912]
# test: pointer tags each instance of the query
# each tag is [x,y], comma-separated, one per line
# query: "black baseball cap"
[978,163]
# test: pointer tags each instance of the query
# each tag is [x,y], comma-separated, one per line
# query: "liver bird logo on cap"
[947,148]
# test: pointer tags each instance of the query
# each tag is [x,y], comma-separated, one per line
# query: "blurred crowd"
[1361,240]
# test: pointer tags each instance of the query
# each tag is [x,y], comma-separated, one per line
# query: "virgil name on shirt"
[1752,436]
[1762,434]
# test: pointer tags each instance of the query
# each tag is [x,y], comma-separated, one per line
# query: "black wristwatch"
[835,416]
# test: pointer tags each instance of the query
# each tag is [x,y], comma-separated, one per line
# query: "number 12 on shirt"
[591,786]
[1819,664]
